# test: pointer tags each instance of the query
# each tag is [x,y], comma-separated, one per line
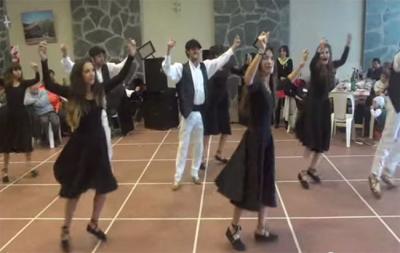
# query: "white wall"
[63,26]
[160,21]
[310,20]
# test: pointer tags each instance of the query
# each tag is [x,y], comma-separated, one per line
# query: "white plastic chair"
[290,112]
[343,116]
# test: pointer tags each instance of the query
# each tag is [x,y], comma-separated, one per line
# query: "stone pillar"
[4,40]
[107,24]
[248,18]
[382,38]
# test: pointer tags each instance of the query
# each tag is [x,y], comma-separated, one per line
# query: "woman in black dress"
[84,162]
[17,129]
[284,66]
[313,126]
[248,179]
[216,115]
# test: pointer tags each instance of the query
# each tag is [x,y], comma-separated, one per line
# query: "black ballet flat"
[314,175]
[65,238]
[304,183]
[221,159]
[5,179]
[96,232]
[34,173]
[265,237]
[234,238]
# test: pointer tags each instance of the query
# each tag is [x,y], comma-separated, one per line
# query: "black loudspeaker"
[156,80]
[160,110]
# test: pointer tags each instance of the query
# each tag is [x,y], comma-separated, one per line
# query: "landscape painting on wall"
[38,26]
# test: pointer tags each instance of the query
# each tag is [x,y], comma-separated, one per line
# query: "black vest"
[185,89]
[394,90]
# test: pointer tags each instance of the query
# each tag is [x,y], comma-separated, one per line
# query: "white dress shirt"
[174,72]
[113,68]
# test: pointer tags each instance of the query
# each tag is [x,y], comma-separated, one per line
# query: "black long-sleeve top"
[322,83]
[65,91]
[284,69]
[15,95]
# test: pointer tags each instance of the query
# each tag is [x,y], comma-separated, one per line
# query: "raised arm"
[66,60]
[35,80]
[214,65]
[173,71]
[345,54]
[295,73]
[253,67]
[115,68]
[51,86]
[119,78]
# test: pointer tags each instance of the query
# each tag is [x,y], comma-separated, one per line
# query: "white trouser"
[387,155]
[107,130]
[191,129]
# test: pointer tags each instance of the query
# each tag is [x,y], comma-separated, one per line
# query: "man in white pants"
[387,156]
[191,79]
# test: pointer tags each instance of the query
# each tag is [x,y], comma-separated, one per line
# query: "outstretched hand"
[349,39]
[35,67]
[236,42]
[132,48]
[263,38]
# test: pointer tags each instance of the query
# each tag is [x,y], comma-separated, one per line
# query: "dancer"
[104,71]
[248,179]
[284,66]
[387,156]
[18,129]
[191,79]
[216,116]
[313,126]
[84,162]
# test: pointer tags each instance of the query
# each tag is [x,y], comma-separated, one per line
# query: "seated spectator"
[382,84]
[43,109]
[375,71]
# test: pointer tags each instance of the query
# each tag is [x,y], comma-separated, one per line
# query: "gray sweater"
[39,101]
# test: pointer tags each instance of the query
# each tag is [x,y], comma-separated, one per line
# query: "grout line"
[29,223]
[206,218]
[131,191]
[189,183]
[296,241]
[203,190]
[362,199]
[176,143]
[33,168]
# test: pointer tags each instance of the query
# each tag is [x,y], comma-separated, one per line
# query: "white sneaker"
[375,186]
[388,180]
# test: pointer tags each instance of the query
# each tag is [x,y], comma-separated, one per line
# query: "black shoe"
[221,159]
[265,237]
[6,179]
[234,238]
[34,173]
[96,231]
[314,175]
[303,181]
[65,239]
[202,166]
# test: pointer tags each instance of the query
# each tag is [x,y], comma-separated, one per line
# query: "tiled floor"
[144,215]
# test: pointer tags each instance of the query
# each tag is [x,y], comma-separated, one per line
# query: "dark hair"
[1,82]
[284,48]
[376,60]
[216,51]
[76,107]
[95,51]
[8,75]
[192,44]
[327,72]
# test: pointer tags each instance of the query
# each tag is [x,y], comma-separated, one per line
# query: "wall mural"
[382,33]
